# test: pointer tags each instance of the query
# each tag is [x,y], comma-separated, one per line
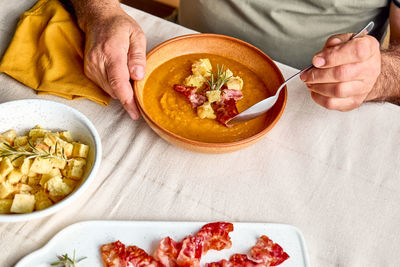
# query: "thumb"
[137,56]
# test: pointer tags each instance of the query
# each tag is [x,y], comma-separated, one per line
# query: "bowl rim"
[210,144]
[79,191]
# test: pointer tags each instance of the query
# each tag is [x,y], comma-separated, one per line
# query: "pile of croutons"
[201,71]
[38,169]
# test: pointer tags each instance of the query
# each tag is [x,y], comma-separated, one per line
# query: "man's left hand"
[345,72]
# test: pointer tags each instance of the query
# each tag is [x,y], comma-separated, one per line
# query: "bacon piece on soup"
[228,94]
[190,92]
[216,236]
[186,90]
[113,254]
[225,111]
[197,100]
[168,251]
[267,252]
[191,251]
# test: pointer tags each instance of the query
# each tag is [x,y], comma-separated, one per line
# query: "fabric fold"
[46,54]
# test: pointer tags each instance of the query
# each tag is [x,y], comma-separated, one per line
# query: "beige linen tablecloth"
[335,176]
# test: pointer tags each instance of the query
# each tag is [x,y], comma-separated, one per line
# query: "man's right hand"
[115,51]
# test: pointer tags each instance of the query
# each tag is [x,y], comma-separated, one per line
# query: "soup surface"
[173,111]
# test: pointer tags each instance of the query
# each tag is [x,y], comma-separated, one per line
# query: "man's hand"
[345,72]
[115,49]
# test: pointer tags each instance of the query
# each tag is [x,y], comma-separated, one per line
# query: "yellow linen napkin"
[46,54]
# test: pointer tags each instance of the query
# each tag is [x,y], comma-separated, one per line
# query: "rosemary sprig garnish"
[66,261]
[7,150]
[220,80]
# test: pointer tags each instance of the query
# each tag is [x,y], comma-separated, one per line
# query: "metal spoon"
[264,105]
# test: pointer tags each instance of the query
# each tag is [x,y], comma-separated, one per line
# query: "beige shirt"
[289,31]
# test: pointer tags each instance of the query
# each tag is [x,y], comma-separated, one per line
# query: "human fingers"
[338,39]
[106,59]
[341,104]
[339,90]
[344,87]
[368,70]
[112,75]
[117,75]
[343,73]
[137,54]
[353,51]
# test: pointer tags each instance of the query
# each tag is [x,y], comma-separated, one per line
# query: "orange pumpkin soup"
[171,110]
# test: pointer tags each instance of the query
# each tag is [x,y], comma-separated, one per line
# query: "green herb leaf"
[220,80]
[66,261]
[7,150]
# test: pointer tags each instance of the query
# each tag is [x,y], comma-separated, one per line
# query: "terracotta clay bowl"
[220,45]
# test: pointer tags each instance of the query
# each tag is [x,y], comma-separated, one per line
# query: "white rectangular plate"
[87,237]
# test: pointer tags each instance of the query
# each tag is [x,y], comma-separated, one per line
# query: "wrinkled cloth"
[333,175]
[46,54]
[289,31]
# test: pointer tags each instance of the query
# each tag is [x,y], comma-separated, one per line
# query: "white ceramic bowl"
[23,115]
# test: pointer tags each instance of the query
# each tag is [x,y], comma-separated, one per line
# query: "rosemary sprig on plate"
[216,82]
[7,150]
[66,261]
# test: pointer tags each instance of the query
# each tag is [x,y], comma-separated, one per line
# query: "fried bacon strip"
[225,111]
[188,252]
[168,251]
[226,108]
[117,255]
[268,252]
[113,254]
[191,251]
[216,236]
[228,94]
[264,253]
[137,257]
[191,94]
[236,260]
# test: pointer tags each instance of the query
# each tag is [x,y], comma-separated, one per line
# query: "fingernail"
[335,41]
[135,116]
[138,72]
[319,62]
[303,77]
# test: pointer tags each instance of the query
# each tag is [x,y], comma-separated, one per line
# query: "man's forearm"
[387,87]
[87,11]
